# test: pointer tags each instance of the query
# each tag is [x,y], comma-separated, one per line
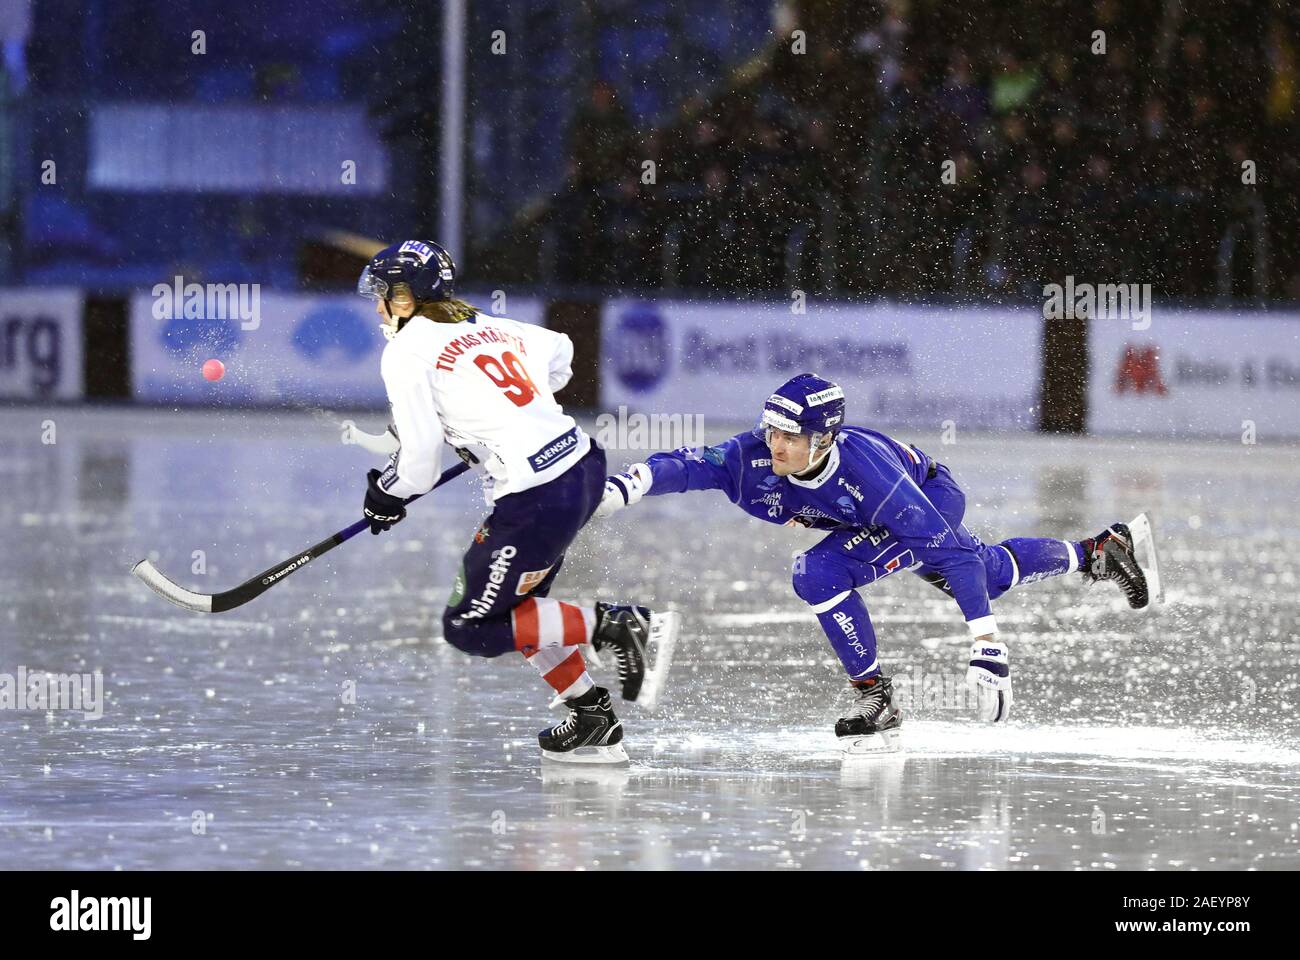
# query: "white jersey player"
[485,385]
[490,384]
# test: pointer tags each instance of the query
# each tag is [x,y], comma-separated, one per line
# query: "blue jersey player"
[886,507]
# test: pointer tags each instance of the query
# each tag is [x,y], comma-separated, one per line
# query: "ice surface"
[232,740]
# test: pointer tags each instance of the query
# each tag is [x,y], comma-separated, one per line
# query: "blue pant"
[827,575]
[517,553]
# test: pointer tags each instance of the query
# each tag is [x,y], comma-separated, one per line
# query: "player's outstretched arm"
[676,471]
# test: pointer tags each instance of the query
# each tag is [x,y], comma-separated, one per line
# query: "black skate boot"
[1110,556]
[873,709]
[590,734]
[630,632]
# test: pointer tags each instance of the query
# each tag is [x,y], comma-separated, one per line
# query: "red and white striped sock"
[563,668]
[541,622]
[547,633]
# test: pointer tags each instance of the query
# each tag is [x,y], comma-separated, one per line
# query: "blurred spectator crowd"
[922,148]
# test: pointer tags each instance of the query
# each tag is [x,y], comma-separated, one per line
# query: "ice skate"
[590,734]
[1113,555]
[871,725]
[634,634]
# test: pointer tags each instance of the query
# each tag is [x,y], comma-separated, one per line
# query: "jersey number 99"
[508,374]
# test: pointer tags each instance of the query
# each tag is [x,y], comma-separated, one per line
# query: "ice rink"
[326,725]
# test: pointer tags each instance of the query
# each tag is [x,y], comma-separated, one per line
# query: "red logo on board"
[1139,371]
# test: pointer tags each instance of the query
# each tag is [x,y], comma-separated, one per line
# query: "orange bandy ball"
[214,370]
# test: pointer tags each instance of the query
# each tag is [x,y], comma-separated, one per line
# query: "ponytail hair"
[446,311]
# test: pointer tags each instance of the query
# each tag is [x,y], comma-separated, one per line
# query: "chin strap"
[391,330]
[813,464]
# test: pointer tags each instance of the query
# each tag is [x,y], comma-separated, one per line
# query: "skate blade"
[1144,551]
[608,778]
[613,754]
[882,772]
[873,744]
[663,641]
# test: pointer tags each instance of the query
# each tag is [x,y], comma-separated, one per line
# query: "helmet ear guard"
[400,293]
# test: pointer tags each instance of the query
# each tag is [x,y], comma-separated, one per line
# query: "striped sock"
[563,668]
[541,622]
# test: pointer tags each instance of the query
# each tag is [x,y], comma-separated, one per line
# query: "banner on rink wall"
[1197,373]
[278,349]
[40,344]
[907,366]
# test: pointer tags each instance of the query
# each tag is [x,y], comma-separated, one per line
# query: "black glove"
[381,509]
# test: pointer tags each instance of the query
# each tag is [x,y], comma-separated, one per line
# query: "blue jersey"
[870,481]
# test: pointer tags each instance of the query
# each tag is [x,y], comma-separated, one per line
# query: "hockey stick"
[169,589]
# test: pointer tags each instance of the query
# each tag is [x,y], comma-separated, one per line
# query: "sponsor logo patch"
[554,451]
[779,401]
[850,631]
[824,396]
[530,579]
[875,536]
[457,589]
[421,250]
[900,562]
[481,605]
[857,493]
[773,419]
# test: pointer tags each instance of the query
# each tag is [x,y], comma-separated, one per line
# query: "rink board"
[282,350]
[1197,373]
[901,366]
[41,344]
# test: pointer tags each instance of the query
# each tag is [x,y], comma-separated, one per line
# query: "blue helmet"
[805,404]
[426,268]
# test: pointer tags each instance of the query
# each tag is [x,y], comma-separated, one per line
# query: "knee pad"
[816,577]
[477,637]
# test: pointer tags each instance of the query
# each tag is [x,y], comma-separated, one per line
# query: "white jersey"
[485,385]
